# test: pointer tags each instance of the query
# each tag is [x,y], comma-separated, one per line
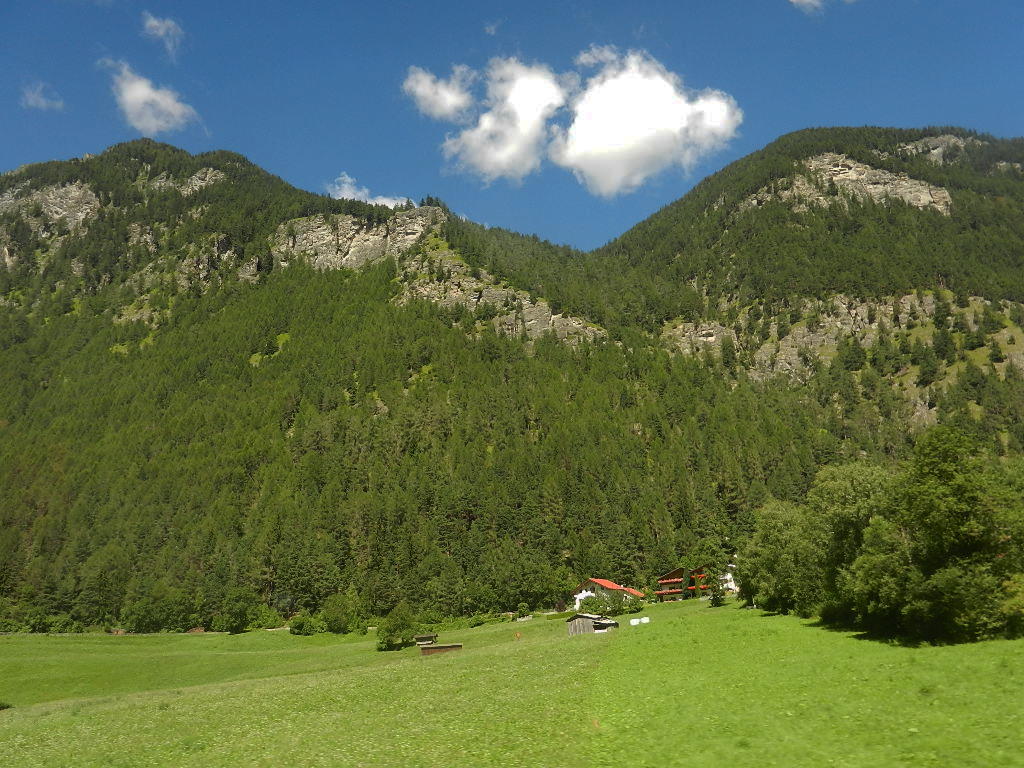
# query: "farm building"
[682,583]
[600,588]
[586,623]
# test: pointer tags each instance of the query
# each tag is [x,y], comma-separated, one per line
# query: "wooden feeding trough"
[429,650]
[422,640]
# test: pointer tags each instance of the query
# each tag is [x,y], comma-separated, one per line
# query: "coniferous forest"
[176,447]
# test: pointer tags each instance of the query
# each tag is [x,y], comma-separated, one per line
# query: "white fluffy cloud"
[810,6]
[346,187]
[629,121]
[634,119]
[509,137]
[41,96]
[146,107]
[437,98]
[167,31]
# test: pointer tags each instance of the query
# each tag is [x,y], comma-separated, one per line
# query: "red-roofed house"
[682,583]
[600,588]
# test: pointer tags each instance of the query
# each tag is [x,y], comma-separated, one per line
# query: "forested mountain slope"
[816,213]
[215,387]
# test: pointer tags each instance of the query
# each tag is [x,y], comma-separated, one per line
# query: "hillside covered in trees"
[194,415]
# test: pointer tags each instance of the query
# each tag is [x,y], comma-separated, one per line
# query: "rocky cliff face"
[73,204]
[436,274]
[817,332]
[203,264]
[202,178]
[834,179]
[337,241]
[818,329]
[939,149]
[431,271]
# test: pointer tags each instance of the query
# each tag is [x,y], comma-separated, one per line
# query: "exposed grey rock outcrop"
[338,240]
[818,334]
[939,149]
[326,242]
[835,178]
[203,261]
[7,258]
[438,275]
[249,271]
[443,278]
[74,204]
[141,237]
[693,337]
[202,178]
[203,264]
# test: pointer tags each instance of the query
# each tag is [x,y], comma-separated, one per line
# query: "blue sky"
[572,120]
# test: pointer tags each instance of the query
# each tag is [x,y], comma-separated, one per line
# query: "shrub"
[340,613]
[614,604]
[398,628]
[632,604]
[64,624]
[716,593]
[12,625]
[265,617]
[142,615]
[237,612]
[594,604]
[306,624]
[1012,606]
[37,620]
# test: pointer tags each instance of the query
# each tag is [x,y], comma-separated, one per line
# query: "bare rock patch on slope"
[74,204]
[440,276]
[338,241]
[834,179]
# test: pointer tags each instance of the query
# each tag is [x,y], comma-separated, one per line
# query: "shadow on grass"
[848,628]
[871,635]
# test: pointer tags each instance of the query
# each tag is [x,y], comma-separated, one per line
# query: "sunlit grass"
[696,686]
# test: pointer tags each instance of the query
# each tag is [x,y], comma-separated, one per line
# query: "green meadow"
[696,686]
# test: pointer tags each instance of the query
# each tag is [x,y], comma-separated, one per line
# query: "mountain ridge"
[197,408]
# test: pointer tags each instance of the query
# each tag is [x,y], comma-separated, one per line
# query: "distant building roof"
[675,573]
[678,575]
[611,585]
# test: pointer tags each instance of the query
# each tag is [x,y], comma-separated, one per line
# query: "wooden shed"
[586,623]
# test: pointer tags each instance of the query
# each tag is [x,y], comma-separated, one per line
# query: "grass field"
[696,686]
